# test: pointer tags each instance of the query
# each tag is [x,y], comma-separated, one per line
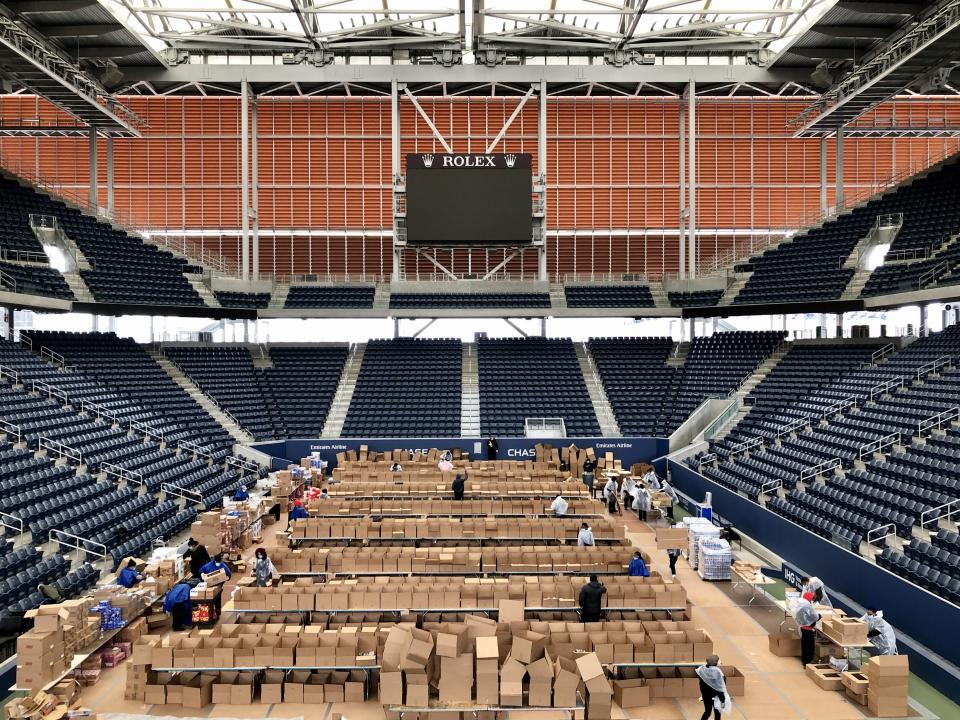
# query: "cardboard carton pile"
[845,630]
[376,593]
[59,703]
[855,686]
[825,676]
[466,528]
[492,506]
[528,558]
[888,678]
[437,484]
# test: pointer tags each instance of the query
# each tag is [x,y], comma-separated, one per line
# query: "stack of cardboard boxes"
[468,528]
[59,703]
[888,678]
[411,506]
[845,630]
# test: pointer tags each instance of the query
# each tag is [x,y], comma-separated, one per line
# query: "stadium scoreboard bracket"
[469,199]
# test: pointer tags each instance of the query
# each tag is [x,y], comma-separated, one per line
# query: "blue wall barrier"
[627,450]
[928,619]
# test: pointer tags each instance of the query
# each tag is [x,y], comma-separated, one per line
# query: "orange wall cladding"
[612,167]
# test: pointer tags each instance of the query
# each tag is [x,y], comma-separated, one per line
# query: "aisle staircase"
[341,399]
[279,296]
[469,392]
[196,281]
[222,416]
[734,289]
[598,396]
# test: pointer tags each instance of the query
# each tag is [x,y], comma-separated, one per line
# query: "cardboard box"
[887,666]
[487,670]
[566,682]
[599,691]
[271,687]
[512,674]
[456,679]
[845,631]
[784,645]
[418,688]
[197,690]
[452,641]
[631,693]
[671,538]
[391,687]
[855,682]
[222,687]
[825,677]
[528,647]
[242,691]
[888,707]
[854,697]
[540,674]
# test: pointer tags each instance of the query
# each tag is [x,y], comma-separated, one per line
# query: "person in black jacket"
[591,600]
[457,487]
[198,556]
[492,448]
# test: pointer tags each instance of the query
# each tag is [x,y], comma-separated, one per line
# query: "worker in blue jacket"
[240,494]
[129,576]
[214,565]
[177,603]
[298,512]
[638,568]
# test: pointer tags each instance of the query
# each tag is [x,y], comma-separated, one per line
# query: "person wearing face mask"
[263,568]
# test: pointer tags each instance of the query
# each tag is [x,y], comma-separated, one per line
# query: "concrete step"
[78,287]
[209,299]
[279,297]
[207,403]
[734,289]
[598,396]
[855,286]
[470,391]
[340,404]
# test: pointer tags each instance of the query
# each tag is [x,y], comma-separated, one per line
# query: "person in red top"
[806,618]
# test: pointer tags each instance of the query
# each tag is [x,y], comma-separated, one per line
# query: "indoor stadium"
[477,360]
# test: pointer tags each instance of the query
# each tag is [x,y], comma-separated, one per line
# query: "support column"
[244,181]
[396,328]
[543,327]
[8,321]
[542,172]
[823,176]
[839,325]
[110,183]
[839,194]
[692,182]
[93,168]
[823,325]
[691,329]
[924,320]
[683,197]
[394,177]
[254,192]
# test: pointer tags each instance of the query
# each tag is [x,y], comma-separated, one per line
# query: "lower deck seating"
[330,296]
[33,280]
[532,378]
[407,388]
[242,299]
[609,296]
[699,298]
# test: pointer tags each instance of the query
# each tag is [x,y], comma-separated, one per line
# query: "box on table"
[566,682]
[599,691]
[855,682]
[418,688]
[512,674]
[271,687]
[456,679]
[540,689]
[845,631]
[391,687]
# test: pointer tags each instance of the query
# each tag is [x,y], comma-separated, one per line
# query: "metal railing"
[714,427]
[51,390]
[75,542]
[909,254]
[11,522]
[954,506]
[745,446]
[10,373]
[838,407]
[146,430]
[820,469]
[933,366]
[885,387]
[884,531]
[26,340]
[122,474]
[880,354]
[8,281]
[177,491]
[97,410]
[187,446]
[242,464]
[793,426]
[877,445]
[328,278]
[53,356]
[62,451]
[545,423]
[11,430]
[23,256]
[931,275]
[771,486]
[935,422]
[707,459]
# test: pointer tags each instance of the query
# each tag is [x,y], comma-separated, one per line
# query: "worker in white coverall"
[880,633]
[815,587]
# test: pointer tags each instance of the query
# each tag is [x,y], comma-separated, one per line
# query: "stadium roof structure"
[79,52]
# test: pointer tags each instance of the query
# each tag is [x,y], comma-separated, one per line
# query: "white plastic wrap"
[715,559]
[695,532]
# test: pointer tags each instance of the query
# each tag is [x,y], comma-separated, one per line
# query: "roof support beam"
[882,7]
[47,6]
[868,32]
[79,30]
[825,53]
[427,120]
[509,122]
